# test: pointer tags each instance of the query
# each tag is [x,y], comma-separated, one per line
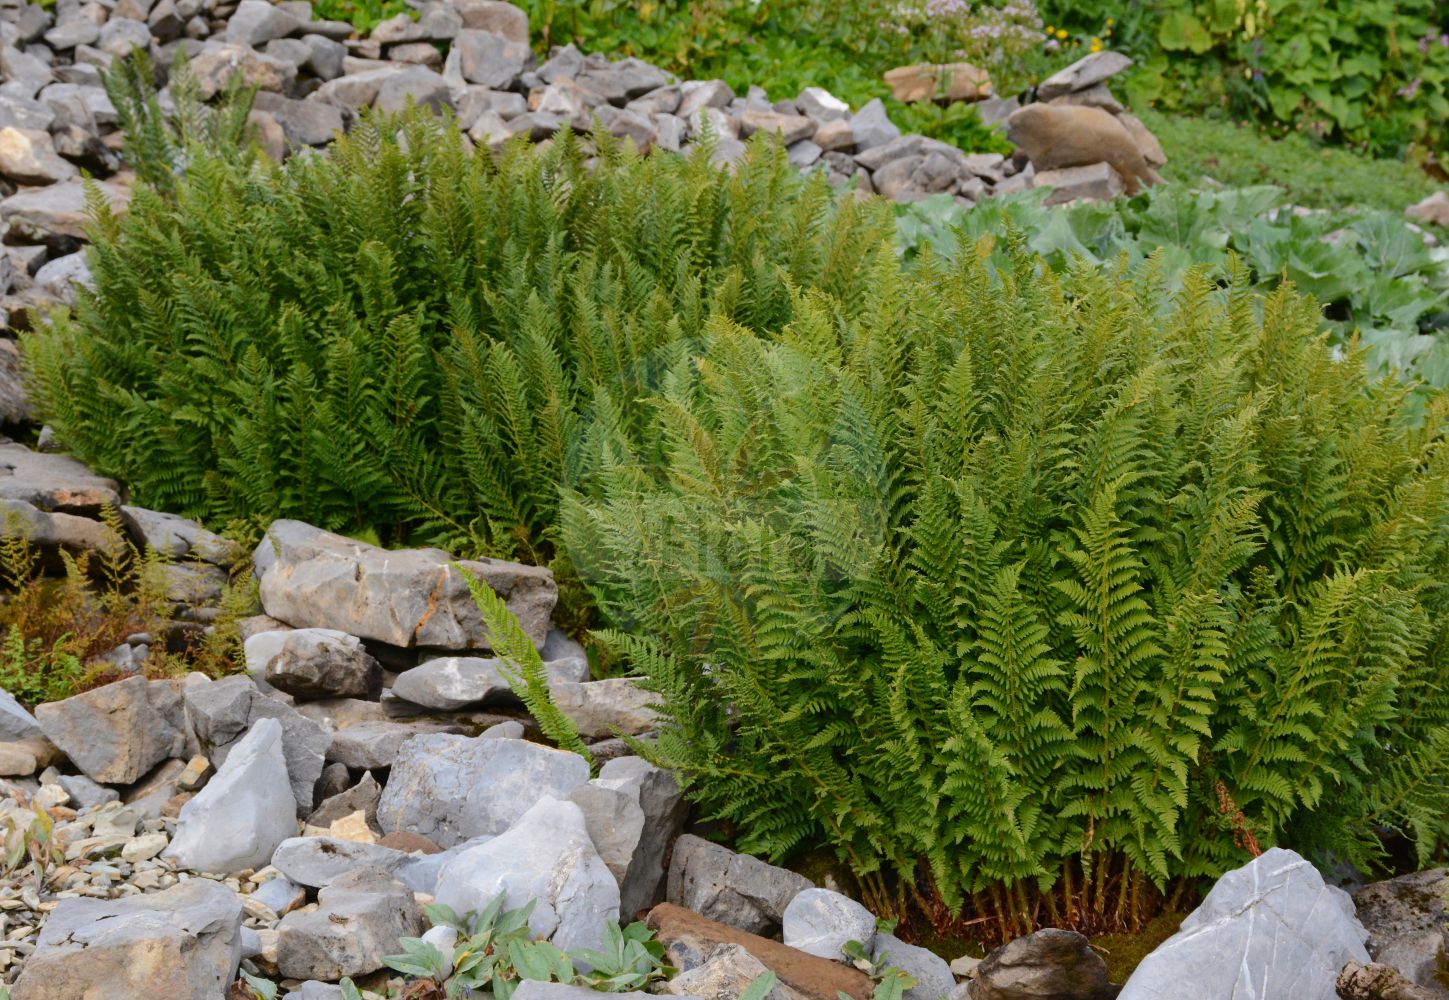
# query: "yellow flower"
[1062,33]
[1096,47]
[1049,29]
[1110,22]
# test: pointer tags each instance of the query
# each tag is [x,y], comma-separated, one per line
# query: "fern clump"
[402,337]
[1036,595]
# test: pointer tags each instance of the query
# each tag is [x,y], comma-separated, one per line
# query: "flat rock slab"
[54,482]
[599,708]
[689,939]
[407,597]
[39,215]
[1269,930]
[182,943]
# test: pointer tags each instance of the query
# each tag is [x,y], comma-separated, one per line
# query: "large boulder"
[408,597]
[243,813]
[182,943]
[358,921]
[1051,964]
[53,482]
[452,788]
[546,857]
[116,733]
[221,712]
[1407,919]
[1269,929]
[735,889]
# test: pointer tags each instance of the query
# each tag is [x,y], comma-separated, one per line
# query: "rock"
[725,973]
[120,36]
[564,63]
[1272,921]
[664,808]
[950,82]
[1407,919]
[324,56]
[319,663]
[359,919]
[408,597]
[320,861]
[372,745]
[353,91]
[669,132]
[535,989]
[453,682]
[118,732]
[626,124]
[15,722]
[218,62]
[872,127]
[14,403]
[893,179]
[1379,982]
[1058,137]
[452,788]
[240,817]
[735,889]
[28,157]
[280,894]
[84,792]
[598,708]
[689,939]
[474,101]
[790,128]
[52,533]
[417,84]
[660,101]
[546,856]
[304,123]
[932,975]
[495,17]
[1095,96]
[492,60]
[622,81]
[178,538]
[220,713]
[822,105]
[1146,141]
[696,95]
[183,942]
[56,213]
[821,922]
[615,824]
[362,797]
[1433,209]
[834,135]
[1085,72]
[144,848]
[23,758]
[1098,182]
[256,22]
[1054,963]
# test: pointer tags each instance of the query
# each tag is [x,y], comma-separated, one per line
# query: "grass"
[1315,176]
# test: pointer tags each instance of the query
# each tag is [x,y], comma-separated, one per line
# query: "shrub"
[400,337]
[1036,595]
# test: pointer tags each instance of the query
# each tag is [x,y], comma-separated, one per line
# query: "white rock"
[820,922]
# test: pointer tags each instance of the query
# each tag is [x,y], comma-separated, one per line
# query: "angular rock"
[615,824]
[452,682]
[1271,923]
[1432,209]
[452,788]
[304,123]
[1097,182]
[359,920]
[116,733]
[626,124]
[1089,70]
[492,60]
[319,663]
[893,179]
[545,856]
[790,128]
[54,482]
[417,84]
[957,81]
[1050,963]
[689,939]
[564,63]
[409,597]
[622,81]
[256,22]
[930,971]
[725,973]
[240,817]
[28,157]
[734,889]
[696,95]
[15,722]
[324,56]
[218,62]
[821,922]
[494,16]
[664,808]
[320,861]
[872,127]
[120,36]
[14,403]
[834,135]
[361,797]
[1379,982]
[355,91]
[220,713]
[369,746]
[182,942]
[822,105]
[1407,919]
[662,101]
[57,212]
[598,708]
[1095,96]
[176,537]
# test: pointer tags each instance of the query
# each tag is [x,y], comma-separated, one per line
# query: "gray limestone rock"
[598,708]
[1082,74]
[359,919]
[820,922]
[664,808]
[118,732]
[320,663]
[930,971]
[176,537]
[872,127]
[1407,919]
[734,889]
[1050,963]
[489,59]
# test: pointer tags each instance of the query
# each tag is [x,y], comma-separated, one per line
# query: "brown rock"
[1058,137]
[1051,964]
[1378,982]
[690,939]
[1433,209]
[409,843]
[1408,923]
[957,81]
[1147,142]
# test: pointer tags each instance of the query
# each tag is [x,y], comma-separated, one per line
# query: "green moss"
[1124,952]
[1315,176]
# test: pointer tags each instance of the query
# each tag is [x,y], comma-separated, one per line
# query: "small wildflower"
[1110,22]
[1062,34]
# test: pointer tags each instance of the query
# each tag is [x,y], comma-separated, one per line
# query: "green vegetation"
[400,337]
[1311,174]
[1372,274]
[1036,595]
